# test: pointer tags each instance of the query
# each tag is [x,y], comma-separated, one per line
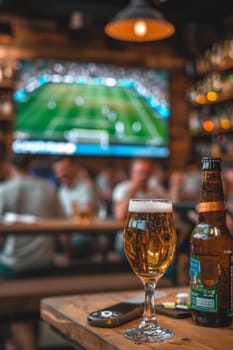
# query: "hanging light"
[139,22]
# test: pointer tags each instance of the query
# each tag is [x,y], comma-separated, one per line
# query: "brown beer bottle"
[211,260]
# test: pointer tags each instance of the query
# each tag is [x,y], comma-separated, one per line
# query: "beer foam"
[150,206]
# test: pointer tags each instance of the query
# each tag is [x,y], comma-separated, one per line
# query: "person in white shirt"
[137,186]
[76,191]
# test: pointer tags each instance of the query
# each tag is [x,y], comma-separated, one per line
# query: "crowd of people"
[72,191]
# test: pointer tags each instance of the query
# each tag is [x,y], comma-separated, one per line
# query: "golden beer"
[85,215]
[150,241]
[81,211]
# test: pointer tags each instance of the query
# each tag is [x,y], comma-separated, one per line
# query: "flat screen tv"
[90,109]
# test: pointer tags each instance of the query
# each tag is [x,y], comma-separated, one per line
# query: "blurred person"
[104,185]
[138,185]
[184,185]
[158,176]
[76,191]
[74,184]
[23,194]
[105,181]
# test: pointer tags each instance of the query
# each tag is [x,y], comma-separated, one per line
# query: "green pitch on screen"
[56,108]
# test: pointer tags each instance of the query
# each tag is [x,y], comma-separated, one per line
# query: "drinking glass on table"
[81,211]
[150,243]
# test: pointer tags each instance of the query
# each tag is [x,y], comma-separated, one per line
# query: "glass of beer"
[150,244]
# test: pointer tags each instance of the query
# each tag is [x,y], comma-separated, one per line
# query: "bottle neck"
[211,207]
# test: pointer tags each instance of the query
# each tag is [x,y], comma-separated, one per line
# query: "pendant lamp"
[139,22]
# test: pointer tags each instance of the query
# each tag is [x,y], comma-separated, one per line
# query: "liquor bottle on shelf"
[211,260]
[219,56]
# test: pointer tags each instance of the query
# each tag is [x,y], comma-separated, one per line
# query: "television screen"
[91,109]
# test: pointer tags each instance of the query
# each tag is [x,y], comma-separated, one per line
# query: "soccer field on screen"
[64,111]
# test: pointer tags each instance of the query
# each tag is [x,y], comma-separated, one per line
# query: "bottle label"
[211,280]
[204,283]
[210,206]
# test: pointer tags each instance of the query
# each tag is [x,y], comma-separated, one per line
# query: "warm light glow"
[140,28]
[139,22]
[225,123]
[208,125]
[125,30]
[200,99]
[212,96]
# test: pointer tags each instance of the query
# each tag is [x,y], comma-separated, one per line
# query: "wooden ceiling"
[198,22]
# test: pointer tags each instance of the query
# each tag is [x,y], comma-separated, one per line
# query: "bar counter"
[68,315]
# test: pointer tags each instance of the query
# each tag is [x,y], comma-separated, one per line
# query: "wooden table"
[60,225]
[68,315]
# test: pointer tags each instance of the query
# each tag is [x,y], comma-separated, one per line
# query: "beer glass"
[149,243]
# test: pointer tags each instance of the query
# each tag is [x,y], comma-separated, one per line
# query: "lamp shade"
[139,22]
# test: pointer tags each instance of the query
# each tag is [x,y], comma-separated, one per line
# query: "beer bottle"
[211,260]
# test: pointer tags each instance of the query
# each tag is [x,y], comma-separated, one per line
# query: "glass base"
[151,334]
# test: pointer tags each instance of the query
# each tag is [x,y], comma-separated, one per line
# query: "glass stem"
[149,308]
